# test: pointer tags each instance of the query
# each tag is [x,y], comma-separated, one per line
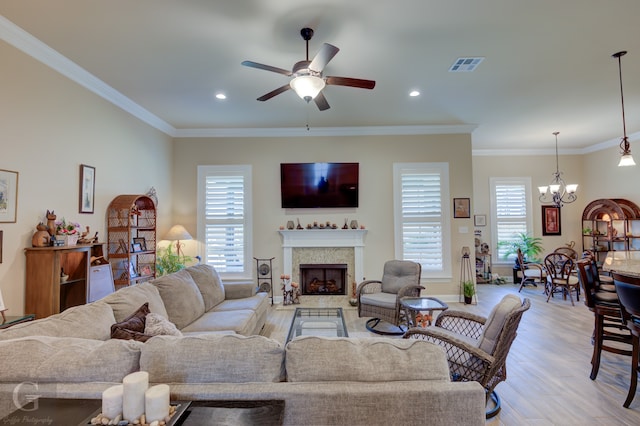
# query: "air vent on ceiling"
[465,64]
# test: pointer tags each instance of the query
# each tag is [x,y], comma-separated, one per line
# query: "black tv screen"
[311,185]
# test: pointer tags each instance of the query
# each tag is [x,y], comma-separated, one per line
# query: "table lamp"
[177,233]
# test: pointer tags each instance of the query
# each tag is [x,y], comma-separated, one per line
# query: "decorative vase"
[72,240]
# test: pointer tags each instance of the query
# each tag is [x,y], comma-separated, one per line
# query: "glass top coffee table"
[318,322]
[412,306]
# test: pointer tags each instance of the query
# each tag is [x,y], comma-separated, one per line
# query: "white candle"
[112,402]
[134,387]
[156,403]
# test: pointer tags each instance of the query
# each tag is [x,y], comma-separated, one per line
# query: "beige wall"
[376,155]
[49,126]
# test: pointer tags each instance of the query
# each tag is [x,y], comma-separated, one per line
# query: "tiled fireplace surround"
[324,246]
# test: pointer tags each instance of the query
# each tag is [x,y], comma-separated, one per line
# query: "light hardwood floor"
[548,366]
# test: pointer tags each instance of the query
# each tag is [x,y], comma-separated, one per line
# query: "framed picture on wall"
[480,220]
[8,196]
[461,208]
[87,188]
[551,224]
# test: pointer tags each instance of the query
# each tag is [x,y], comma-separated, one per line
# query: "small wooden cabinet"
[131,219]
[46,294]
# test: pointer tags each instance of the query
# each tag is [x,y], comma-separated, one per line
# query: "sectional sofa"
[212,350]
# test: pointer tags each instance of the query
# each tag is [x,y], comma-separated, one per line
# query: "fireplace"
[323,279]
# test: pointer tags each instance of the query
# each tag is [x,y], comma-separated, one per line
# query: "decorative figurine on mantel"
[41,237]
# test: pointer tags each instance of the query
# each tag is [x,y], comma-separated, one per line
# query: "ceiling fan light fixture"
[307,86]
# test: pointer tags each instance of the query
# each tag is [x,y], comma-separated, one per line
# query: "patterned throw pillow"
[132,327]
[157,325]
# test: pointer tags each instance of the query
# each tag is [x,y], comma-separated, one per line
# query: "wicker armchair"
[380,299]
[477,347]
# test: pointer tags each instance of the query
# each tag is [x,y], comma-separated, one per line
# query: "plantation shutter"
[511,212]
[422,217]
[225,224]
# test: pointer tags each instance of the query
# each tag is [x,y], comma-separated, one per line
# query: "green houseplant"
[468,290]
[530,246]
[167,261]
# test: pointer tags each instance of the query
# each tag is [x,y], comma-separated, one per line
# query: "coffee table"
[412,305]
[317,322]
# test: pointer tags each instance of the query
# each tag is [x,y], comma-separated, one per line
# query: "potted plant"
[530,246]
[168,262]
[468,289]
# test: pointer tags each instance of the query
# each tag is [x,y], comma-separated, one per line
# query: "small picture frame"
[480,220]
[132,271]
[87,188]
[8,196]
[551,223]
[136,247]
[146,271]
[461,208]
[142,242]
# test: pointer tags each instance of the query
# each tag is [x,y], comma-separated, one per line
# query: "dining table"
[622,262]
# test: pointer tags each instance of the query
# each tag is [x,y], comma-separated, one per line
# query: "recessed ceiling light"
[221,96]
[414,93]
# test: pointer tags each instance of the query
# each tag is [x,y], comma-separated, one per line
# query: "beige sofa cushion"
[68,359]
[241,321]
[181,296]
[208,281]
[338,359]
[126,300]
[92,321]
[213,359]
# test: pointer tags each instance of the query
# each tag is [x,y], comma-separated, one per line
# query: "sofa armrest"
[239,290]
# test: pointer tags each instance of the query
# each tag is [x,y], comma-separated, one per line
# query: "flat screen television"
[312,185]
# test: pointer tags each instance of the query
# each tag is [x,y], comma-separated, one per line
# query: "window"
[224,219]
[421,216]
[510,210]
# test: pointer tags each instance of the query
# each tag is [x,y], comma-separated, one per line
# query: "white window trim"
[493,181]
[443,169]
[246,172]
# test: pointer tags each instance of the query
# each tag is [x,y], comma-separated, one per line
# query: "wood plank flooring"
[548,366]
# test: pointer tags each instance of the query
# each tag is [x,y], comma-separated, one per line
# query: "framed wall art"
[480,220]
[551,224]
[87,188]
[8,196]
[461,208]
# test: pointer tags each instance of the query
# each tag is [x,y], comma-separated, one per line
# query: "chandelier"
[626,159]
[558,193]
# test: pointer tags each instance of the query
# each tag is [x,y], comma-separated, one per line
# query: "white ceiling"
[547,65]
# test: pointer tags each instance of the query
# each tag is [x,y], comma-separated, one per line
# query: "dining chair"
[560,277]
[628,289]
[532,273]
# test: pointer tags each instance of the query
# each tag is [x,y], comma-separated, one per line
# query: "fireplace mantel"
[314,238]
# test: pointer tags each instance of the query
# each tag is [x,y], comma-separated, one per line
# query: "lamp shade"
[177,233]
[307,86]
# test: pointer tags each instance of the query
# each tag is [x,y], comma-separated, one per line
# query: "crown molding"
[22,40]
[267,132]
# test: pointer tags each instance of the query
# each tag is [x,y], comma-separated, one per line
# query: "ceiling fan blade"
[274,92]
[322,58]
[351,82]
[321,101]
[266,67]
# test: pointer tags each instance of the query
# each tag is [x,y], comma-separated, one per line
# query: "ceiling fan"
[307,80]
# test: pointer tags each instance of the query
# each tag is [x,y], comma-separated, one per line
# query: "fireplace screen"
[323,279]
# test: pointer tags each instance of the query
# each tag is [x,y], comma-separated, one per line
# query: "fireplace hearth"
[323,279]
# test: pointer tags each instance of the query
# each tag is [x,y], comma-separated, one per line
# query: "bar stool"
[628,289]
[608,324]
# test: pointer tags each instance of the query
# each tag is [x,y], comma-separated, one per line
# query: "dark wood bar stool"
[628,289]
[608,326]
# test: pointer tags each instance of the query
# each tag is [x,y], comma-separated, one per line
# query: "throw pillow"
[157,325]
[132,327]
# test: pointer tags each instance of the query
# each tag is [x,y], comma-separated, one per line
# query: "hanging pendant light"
[558,193]
[626,159]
